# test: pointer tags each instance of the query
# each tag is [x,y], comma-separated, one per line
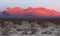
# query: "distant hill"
[30,12]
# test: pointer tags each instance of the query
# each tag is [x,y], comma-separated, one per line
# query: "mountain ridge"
[30,12]
[36,11]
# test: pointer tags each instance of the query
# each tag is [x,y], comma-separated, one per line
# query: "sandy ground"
[31,35]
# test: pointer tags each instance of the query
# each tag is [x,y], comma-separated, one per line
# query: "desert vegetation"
[27,27]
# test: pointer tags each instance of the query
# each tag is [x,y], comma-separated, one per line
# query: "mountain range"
[29,12]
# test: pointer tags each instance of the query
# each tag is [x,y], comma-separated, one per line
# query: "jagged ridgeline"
[29,13]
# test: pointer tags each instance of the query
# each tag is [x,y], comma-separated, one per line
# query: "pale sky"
[50,4]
